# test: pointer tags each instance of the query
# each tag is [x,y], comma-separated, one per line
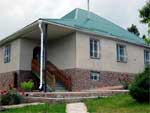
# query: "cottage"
[80,51]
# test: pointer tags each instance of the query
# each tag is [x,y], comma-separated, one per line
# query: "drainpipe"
[41,56]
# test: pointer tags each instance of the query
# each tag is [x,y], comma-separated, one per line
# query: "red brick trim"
[81,79]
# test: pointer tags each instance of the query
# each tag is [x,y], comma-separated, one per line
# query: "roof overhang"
[96,34]
[32,31]
[55,30]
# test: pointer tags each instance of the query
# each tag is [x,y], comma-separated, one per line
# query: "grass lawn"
[52,108]
[117,104]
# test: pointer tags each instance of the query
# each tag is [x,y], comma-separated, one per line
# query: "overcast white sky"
[15,14]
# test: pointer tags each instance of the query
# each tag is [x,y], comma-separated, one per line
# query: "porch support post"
[45,56]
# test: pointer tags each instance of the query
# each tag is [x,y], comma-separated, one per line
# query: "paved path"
[76,108]
[20,105]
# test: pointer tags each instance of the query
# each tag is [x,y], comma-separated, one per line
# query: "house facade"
[93,52]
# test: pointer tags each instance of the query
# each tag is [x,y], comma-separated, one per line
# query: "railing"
[50,78]
[60,75]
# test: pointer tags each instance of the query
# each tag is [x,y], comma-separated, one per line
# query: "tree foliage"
[145,13]
[145,18]
[144,36]
[147,40]
[140,88]
[133,29]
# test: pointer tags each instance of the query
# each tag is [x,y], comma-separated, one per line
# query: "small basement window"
[7,54]
[95,76]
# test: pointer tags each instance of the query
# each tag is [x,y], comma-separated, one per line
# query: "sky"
[15,14]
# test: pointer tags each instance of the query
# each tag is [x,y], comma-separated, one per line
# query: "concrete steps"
[60,97]
[60,87]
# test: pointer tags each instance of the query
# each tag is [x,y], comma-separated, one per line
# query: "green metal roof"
[78,19]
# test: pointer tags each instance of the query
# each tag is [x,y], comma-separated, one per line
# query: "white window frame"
[93,51]
[147,61]
[7,54]
[95,74]
[119,55]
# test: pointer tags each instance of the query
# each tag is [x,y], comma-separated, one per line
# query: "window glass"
[7,54]
[94,48]
[95,76]
[121,53]
[147,57]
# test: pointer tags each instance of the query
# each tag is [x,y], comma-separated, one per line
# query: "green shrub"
[27,86]
[140,88]
[12,97]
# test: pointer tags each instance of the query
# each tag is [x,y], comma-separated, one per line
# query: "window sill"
[147,64]
[6,62]
[96,58]
[122,62]
[95,80]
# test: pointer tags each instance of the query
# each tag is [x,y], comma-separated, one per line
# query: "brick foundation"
[81,79]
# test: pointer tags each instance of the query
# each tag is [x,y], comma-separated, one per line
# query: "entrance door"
[36,53]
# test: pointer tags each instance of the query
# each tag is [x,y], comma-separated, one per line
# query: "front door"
[36,53]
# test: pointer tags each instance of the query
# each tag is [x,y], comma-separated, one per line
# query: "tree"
[140,89]
[145,13]
[147,40]
[144,36]
[145,18]
[133,29]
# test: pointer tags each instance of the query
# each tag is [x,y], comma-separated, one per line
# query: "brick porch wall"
[26,76]
[8,78]
[81,79]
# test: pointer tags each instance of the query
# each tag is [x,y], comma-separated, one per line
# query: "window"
[121,53]
[7,54]
[147,57]
[95,76]
[94,48]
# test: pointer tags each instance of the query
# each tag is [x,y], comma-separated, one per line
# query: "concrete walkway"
[76,108]
[20,105]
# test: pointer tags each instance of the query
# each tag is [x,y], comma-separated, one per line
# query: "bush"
[11,97]
[140,88]
[27,86]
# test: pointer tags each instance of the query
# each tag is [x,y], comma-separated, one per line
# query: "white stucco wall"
[61,51]
[26,53]
[72,51]
[15,53]
[108,60]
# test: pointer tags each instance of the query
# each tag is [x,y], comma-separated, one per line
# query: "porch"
[45,62]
